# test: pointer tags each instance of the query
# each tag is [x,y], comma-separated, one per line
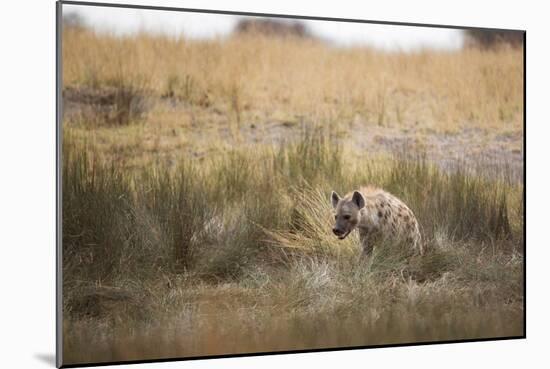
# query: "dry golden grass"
[255,79]
[204,97]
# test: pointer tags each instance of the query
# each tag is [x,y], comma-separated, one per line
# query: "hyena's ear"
[358,199]
[335,199]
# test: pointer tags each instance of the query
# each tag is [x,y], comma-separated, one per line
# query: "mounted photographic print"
[237,183]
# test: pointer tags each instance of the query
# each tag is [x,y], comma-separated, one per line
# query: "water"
[245,331]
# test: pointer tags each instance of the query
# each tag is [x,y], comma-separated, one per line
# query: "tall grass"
[251,230]
[227,209]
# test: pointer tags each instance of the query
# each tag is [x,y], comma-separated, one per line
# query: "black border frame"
[59,140]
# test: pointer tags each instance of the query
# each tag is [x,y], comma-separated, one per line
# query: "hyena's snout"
[341,231]
[337,231]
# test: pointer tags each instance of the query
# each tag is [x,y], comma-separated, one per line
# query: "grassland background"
[195,194]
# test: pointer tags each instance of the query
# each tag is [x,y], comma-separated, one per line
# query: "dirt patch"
[115,105]
[484,152]
[174,128]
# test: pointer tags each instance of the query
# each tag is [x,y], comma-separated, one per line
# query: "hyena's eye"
[335,216]
[346,217]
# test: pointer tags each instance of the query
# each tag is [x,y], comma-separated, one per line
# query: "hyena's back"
[387,215]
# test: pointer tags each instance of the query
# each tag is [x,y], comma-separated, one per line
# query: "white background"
[27,183]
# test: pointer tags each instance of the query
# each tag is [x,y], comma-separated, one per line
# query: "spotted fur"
[375,214]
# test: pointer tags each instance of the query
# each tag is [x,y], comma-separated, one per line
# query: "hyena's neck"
[366,219]
[363,219]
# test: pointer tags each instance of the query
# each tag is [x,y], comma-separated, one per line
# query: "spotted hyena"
[375,213]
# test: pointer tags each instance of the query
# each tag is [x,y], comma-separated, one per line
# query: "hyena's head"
[346,213]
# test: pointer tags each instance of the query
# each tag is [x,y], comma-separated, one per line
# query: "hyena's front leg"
[366,244]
